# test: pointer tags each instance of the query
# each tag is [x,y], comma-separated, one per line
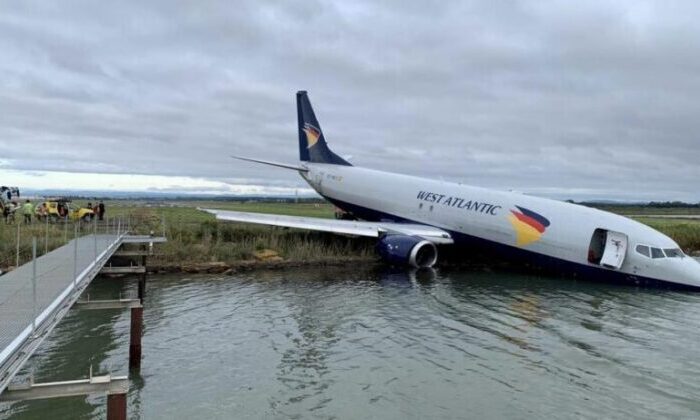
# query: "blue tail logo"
[312,143]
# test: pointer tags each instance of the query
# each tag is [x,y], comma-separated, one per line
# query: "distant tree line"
[676,204]
[234,198]
[651,204]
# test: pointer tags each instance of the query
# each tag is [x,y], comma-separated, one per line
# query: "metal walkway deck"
[30,309]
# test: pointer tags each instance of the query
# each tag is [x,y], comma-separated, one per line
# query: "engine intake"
[407,250]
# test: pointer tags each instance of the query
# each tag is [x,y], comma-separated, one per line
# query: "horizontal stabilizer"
[348,227]
[278,164]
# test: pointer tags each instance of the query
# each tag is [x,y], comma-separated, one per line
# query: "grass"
[634,210]
[685,232]
[48,236]
[195,236]
[212,241]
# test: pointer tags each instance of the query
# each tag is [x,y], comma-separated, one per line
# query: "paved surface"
[55,272]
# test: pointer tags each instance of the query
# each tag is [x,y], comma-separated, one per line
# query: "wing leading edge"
[348,227]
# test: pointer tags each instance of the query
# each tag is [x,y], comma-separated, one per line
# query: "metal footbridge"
[36,296]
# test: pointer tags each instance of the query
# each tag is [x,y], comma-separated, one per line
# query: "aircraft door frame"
[608,248]
[616,244]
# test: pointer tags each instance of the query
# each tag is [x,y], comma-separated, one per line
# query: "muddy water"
[359,343]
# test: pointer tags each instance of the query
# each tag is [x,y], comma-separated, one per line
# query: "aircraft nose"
[691,271]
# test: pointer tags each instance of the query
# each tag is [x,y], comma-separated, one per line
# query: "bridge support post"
[142,279]
[142,286]
[135,338]
[116,406]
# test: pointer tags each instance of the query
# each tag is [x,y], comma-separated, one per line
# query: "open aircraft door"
[615,250]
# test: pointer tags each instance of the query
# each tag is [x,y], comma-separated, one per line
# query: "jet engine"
[407,250]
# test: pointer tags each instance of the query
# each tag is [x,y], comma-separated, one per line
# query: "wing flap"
[348,227]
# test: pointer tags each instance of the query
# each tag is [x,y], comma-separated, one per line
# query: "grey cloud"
[555,98]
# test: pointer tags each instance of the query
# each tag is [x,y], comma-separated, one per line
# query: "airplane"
[410,216]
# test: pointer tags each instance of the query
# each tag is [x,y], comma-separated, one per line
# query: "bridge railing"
[32,291]
[16,237]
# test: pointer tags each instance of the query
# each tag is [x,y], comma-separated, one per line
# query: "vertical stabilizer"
[312,143]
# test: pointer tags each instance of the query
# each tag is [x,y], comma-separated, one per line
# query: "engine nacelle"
[407,250]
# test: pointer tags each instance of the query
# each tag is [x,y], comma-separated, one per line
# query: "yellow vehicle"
[61,208]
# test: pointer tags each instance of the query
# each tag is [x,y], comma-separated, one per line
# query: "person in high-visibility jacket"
[27,211]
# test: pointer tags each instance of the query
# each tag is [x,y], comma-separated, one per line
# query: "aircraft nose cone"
[691,271]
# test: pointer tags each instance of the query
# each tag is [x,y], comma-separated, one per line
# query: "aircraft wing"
[349,227]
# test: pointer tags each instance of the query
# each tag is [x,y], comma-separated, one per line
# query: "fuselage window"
[673,253]
[657,253]
[644,250]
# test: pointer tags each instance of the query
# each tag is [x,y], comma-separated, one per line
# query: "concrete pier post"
[116,406]
[135,338]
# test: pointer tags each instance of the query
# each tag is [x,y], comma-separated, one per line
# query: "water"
[361,343]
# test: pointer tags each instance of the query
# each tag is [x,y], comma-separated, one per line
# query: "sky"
[563,99]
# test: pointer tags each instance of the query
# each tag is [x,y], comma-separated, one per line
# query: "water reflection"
[376,342]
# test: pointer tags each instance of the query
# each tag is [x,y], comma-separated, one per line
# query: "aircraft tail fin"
[312,144]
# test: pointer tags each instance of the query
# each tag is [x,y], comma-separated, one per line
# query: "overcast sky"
[555,98]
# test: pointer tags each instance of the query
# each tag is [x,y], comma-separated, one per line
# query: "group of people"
[41,211]
[27,210]
[97,210]
[11,208]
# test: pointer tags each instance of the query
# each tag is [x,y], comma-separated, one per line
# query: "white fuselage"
[486,214]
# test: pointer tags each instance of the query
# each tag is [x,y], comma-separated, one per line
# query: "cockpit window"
[644,250]
[657,253]
[673,252]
